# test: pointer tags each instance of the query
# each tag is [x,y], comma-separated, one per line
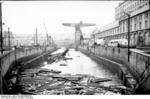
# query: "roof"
[109,26]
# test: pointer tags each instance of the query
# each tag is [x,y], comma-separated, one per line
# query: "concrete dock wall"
[12,56]
[139,64]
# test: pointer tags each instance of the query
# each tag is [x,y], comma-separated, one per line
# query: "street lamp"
[1,30]
[1,46]
[94,42]
[128,34]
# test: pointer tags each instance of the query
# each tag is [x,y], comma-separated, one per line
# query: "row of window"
[140,17]
[123,28]
[140,25]
[109,32]
[136,23]
[131,7]
[134,27]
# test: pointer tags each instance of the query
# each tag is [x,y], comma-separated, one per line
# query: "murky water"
[81,64]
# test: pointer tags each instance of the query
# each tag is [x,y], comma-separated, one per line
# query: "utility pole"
[94,42]
[1,30]
[149,13]
[75,42]
[36,38]
[128,37]
[47,38]
[9,38]
[128,26]
[1,47]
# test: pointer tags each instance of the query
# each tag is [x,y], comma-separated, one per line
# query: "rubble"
[59,56]
[43,81]
[52,83]
[98,80]
[63,64]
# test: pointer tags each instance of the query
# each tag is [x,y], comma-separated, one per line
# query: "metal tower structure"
[78,32]
[36,37]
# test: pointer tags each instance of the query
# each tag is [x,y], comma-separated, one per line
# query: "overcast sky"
[24,17]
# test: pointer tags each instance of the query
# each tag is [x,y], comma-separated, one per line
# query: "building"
[108,32]
[29,39]
[8,39]
[138,14]
[64,42]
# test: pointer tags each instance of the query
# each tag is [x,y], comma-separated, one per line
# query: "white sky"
[23,17]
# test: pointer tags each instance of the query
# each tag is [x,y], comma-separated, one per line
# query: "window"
[123,28]
[135,27]
[130,27]
[140,17]
[146,24]
[135,19]
[146,15]
[140,25]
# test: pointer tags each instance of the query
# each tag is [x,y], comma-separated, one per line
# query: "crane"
[49,38]
[78,32]
[46,32]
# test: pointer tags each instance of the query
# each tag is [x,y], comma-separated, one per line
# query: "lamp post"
[9,42]
[128,25]
[94,42]
[1,30]
[1,46]
[128,37]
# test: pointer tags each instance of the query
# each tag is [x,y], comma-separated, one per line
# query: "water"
[81,64]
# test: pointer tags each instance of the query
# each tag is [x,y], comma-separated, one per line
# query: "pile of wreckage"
[57,57]
[53,82]
[40,81]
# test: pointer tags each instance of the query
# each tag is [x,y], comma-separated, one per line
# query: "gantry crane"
[78,32]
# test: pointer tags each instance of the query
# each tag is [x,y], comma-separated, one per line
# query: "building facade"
[29,39]
[8,40]
[138,12]
[108,32]
[136,15]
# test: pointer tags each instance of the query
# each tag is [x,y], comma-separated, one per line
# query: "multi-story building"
[8,39]
[108,32]
[137,12]
[28,40]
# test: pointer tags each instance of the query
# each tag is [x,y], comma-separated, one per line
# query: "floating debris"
[58,57]
[52,82]
[99,80]
[63,64]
